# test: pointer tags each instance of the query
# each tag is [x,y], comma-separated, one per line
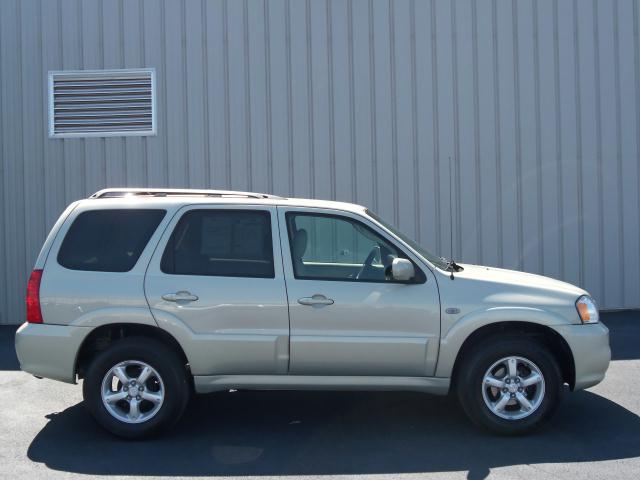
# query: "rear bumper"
[49,351]
[589,345]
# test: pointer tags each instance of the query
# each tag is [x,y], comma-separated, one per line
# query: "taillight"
[34,314]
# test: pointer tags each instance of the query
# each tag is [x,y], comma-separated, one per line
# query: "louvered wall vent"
[101,103]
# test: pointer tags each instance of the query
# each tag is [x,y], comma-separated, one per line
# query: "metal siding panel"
[114,162]
[415,161]
[71,47]
[217,101]
[569,149]
[341,101]
[321,100]
[486,125]
[290,160]
[132,44]
[636,43]
[507,108]
[528,218]
[517,180]
[426,125]
[238,112]
[611,164]
[195,51]
[549,186]
[590,151]
[454,163]
[33,119]
[363,101]
[468,229]
[12,154]
[154,55]
[174,75]
[3,223]
[278,95]
[628,21]
[387,206]
[445,120]
[92,48]
[4,179]
[300,138]
[259,122]
[497,131]
[403,96]
[53,155]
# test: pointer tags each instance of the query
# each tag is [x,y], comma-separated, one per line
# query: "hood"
[478,288]
[511,278]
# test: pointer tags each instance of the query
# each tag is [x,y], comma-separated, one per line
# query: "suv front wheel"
[509,385]
[136,388]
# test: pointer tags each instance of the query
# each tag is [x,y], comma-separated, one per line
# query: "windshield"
[436,260]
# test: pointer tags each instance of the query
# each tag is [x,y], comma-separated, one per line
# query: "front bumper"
[589,345]
[49,351]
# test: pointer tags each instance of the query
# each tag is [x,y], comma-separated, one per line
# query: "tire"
[483,403]
[167,384]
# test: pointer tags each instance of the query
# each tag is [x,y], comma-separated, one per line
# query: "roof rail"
[170,192]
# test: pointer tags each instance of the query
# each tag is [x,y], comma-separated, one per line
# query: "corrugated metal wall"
[536,102]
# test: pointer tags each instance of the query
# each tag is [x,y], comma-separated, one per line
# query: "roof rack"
[173,192]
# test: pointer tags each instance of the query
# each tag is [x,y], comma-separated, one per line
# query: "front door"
[215,282]
[348,317]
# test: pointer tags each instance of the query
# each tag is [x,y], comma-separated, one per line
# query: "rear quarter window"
[108,240]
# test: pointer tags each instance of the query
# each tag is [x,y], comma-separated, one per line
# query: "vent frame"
[108,74]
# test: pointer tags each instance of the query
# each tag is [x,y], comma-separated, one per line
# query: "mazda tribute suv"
[149,295]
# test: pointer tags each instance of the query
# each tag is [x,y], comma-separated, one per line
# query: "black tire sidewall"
[163,360]
[470,381]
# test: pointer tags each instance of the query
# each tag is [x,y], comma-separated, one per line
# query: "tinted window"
[230,243]
[108,240]
[329,247]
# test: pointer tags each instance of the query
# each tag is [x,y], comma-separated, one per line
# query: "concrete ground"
[46,433]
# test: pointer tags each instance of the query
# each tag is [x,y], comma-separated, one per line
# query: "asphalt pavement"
[45,432]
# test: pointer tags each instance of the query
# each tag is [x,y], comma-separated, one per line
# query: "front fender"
[451,342]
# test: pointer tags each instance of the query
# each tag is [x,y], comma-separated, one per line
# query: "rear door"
[217,275]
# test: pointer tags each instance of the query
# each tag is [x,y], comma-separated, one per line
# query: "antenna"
[450,217]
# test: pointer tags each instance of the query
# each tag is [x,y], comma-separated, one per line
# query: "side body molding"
[216,353]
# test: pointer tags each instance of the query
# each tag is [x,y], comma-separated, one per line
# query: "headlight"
[587,309]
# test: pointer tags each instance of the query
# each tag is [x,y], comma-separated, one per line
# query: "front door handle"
[317,299]
[181,296]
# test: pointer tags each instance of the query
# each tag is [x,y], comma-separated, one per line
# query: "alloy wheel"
[513,388]
[132,391]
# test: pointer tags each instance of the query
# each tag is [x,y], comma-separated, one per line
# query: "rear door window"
[108,240]
[228,243]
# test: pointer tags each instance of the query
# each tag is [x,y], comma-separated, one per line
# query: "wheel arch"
[101,337]
[546,335]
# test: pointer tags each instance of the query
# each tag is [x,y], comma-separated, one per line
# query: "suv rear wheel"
[509,385]
[136,388]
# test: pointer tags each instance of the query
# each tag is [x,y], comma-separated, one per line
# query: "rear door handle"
[181,296]
[317,299]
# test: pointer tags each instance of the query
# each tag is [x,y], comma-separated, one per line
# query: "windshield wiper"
[455,266]
[451,266]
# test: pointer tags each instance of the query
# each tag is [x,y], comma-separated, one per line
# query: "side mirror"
[402,269]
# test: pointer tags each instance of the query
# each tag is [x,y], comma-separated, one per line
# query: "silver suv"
[149,295]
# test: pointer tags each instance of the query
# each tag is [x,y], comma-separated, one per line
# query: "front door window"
[330,247]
